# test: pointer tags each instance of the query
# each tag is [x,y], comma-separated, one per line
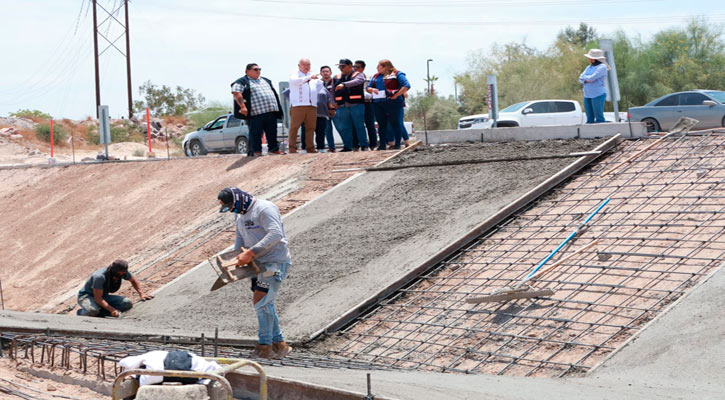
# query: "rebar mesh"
[660,234]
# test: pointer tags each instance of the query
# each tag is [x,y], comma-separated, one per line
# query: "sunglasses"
[256,69]
[357,66]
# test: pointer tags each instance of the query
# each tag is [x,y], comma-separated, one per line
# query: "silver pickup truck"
[224,134]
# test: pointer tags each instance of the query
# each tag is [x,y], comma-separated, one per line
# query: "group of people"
[349,100]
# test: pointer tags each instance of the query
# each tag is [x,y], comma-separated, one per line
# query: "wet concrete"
[364,234]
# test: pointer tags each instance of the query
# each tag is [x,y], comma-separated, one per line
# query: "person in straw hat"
[595,91]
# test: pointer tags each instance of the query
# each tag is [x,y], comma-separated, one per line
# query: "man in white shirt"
[303,105]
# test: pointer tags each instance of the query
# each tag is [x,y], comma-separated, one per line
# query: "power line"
[482,23]
[450,4]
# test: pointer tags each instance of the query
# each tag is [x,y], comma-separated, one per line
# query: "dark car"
[706,106]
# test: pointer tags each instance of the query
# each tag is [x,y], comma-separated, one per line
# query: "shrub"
[34,115]
[138,153]
[42,132]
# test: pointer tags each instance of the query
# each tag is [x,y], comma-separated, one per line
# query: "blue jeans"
[92,309]
[369,126]
[594,107]
[266,123]
[269,330]
[345,119]
[389,114]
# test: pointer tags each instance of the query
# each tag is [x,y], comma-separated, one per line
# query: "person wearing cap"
[595,91]
[256,101]
[303,89]
[260,237]
[350,100]
[95,298]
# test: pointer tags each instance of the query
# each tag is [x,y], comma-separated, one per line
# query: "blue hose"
[541,264]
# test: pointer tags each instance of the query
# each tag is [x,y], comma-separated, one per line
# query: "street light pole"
[427,73]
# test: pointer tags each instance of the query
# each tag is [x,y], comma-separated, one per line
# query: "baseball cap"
[345,61]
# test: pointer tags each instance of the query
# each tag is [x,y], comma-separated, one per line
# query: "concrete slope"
[681,349]
[364,234]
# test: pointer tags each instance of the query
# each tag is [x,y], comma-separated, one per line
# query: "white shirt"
[303,90]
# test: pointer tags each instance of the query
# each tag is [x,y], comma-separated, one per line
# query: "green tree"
[31,114]
[434,112]
[165,101]
[579,37]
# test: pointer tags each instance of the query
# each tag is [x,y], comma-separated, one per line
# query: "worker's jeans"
[594,107]
[345,118]
[92,309]
[269,330]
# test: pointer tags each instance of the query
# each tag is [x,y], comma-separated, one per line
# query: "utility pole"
[128,65]
[111,19]
[427,73]
[95,58]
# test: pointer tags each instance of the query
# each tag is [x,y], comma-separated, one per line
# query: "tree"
[433,112]
[164,101]
[579,37]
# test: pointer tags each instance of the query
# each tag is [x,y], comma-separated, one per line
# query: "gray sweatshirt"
[261,230]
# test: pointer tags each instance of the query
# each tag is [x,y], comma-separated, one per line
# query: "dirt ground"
[14,383]
[62,223]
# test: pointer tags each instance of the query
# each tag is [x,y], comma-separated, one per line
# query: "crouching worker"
[261,234]
[95,298]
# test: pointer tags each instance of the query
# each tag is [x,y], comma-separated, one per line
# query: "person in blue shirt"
[595,91]
[389,108]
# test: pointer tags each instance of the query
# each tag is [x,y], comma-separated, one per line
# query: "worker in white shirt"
[304,87]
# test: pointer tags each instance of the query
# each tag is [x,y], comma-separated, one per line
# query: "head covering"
[345,61]
[235,200]
[113,278]
[597,54]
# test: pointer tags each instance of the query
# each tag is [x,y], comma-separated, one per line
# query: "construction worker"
[261,237]
[95,299]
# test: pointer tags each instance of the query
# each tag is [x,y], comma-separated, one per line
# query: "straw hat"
[596,54]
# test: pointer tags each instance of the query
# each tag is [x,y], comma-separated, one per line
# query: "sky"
[47,45]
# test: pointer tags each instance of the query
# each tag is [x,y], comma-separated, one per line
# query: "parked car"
[474,122]
[706,106]
[533,113]
[224,134]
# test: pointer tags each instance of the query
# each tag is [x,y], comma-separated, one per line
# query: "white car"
[474,122]
[532,113]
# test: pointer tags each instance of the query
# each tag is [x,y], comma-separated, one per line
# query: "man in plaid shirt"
[256,101]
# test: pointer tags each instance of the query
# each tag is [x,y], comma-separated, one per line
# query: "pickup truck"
[532,113]
[223,134]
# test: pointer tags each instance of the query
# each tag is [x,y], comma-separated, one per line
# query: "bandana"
[242,201]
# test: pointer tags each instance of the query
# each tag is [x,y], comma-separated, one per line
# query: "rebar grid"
[661,233]
[100,357]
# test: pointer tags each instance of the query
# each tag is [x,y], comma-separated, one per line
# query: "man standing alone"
[304,87]
[256,101]
[261,237]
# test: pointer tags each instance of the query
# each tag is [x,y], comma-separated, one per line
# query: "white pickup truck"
[532,113]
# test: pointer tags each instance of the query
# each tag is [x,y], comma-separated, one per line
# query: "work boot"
[281,349]
[263,351]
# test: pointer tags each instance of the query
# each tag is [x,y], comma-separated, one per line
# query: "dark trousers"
[389,114]
[369,126]
[266,123]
